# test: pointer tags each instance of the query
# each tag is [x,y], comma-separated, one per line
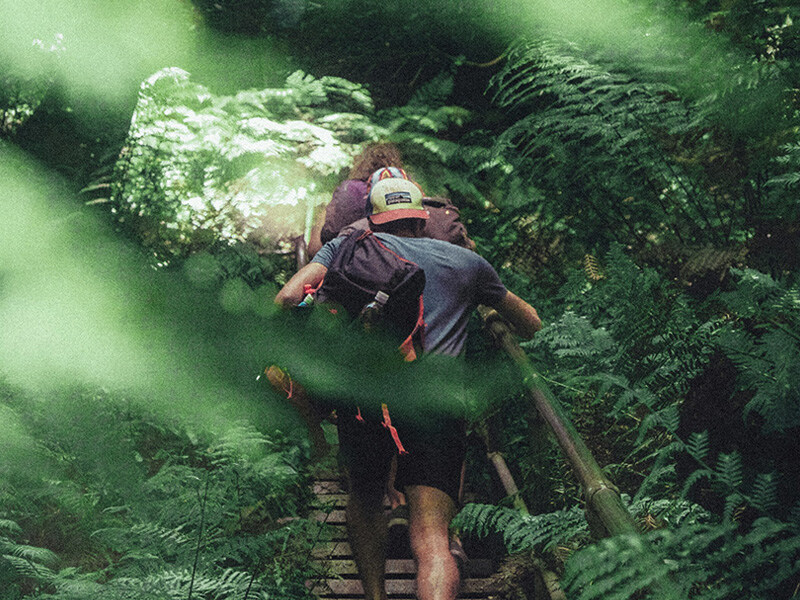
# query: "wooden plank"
[327,487]
[480,567]
[336,501]
[347,567]
[351,588]
[332,517]
[332,550]
[333,533]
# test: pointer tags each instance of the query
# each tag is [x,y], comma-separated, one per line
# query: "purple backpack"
[364,266]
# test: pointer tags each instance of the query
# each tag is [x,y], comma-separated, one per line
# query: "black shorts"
[435,445]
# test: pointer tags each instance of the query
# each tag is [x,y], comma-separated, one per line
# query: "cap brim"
[398,213]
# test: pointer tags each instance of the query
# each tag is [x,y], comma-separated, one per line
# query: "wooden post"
[300,252]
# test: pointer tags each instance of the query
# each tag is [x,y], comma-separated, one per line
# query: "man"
[457,280]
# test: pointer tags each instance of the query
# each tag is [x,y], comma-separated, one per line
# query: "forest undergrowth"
[646,205]
[126,504]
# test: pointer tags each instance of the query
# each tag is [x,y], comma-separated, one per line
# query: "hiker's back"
[456,280]
[364,274]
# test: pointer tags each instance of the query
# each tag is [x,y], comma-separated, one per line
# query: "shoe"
[398,517]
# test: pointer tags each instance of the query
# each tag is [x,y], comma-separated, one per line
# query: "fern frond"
[669,418]
[27,568]
[697,445]
[10,527]
[32,554]
[615,569]
[711,562]
[592,268]
[789,162]
[522,532]
[729,470]
[693,478]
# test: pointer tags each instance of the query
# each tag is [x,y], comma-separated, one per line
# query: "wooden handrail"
[603,503]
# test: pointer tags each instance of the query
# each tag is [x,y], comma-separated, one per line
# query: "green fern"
[789,161]
[522,532]
[711,562]
[20,562]
[629,336]
[768,364]
[197,162]
[576,343]
[584,120]
[697,445]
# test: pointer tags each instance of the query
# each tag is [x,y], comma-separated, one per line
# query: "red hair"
[373,157]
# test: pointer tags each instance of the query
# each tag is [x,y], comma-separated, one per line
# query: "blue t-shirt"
[456,281]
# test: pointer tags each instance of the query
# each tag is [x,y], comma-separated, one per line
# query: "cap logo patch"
[397,198]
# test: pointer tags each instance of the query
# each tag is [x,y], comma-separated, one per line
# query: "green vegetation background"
[630,168]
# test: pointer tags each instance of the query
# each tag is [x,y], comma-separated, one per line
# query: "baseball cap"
[393,196]
[386,173]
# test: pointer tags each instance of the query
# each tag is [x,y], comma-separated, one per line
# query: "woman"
[349,206]
[350,202]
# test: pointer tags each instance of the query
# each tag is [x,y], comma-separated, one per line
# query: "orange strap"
[416,338]
[387,422]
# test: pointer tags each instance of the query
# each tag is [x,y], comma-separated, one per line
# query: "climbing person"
[347,212]
[349,201]
[456,281]
[349,205]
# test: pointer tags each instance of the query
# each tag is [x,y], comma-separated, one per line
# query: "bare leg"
[431,511]
[366,530]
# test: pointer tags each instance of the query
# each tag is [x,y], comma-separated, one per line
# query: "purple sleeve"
[348,204]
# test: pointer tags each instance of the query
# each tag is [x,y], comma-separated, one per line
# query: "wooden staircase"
[338,575]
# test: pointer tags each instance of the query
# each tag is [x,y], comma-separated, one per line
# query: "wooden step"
[327,486]
[330,501]
[331,517]
[335,501]
[351,588]
[402,567]
[334,533]
[333,559]
[331,550]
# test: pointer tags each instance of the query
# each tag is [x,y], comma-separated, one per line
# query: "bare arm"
[291,294]
[523,317]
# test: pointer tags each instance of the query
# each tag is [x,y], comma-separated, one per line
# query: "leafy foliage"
[197,514]
[633,153]
[698,561]
[769,361]
[522,532]
[205,172]
[630,311]
[22,93]
[19,562]
[198,169]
